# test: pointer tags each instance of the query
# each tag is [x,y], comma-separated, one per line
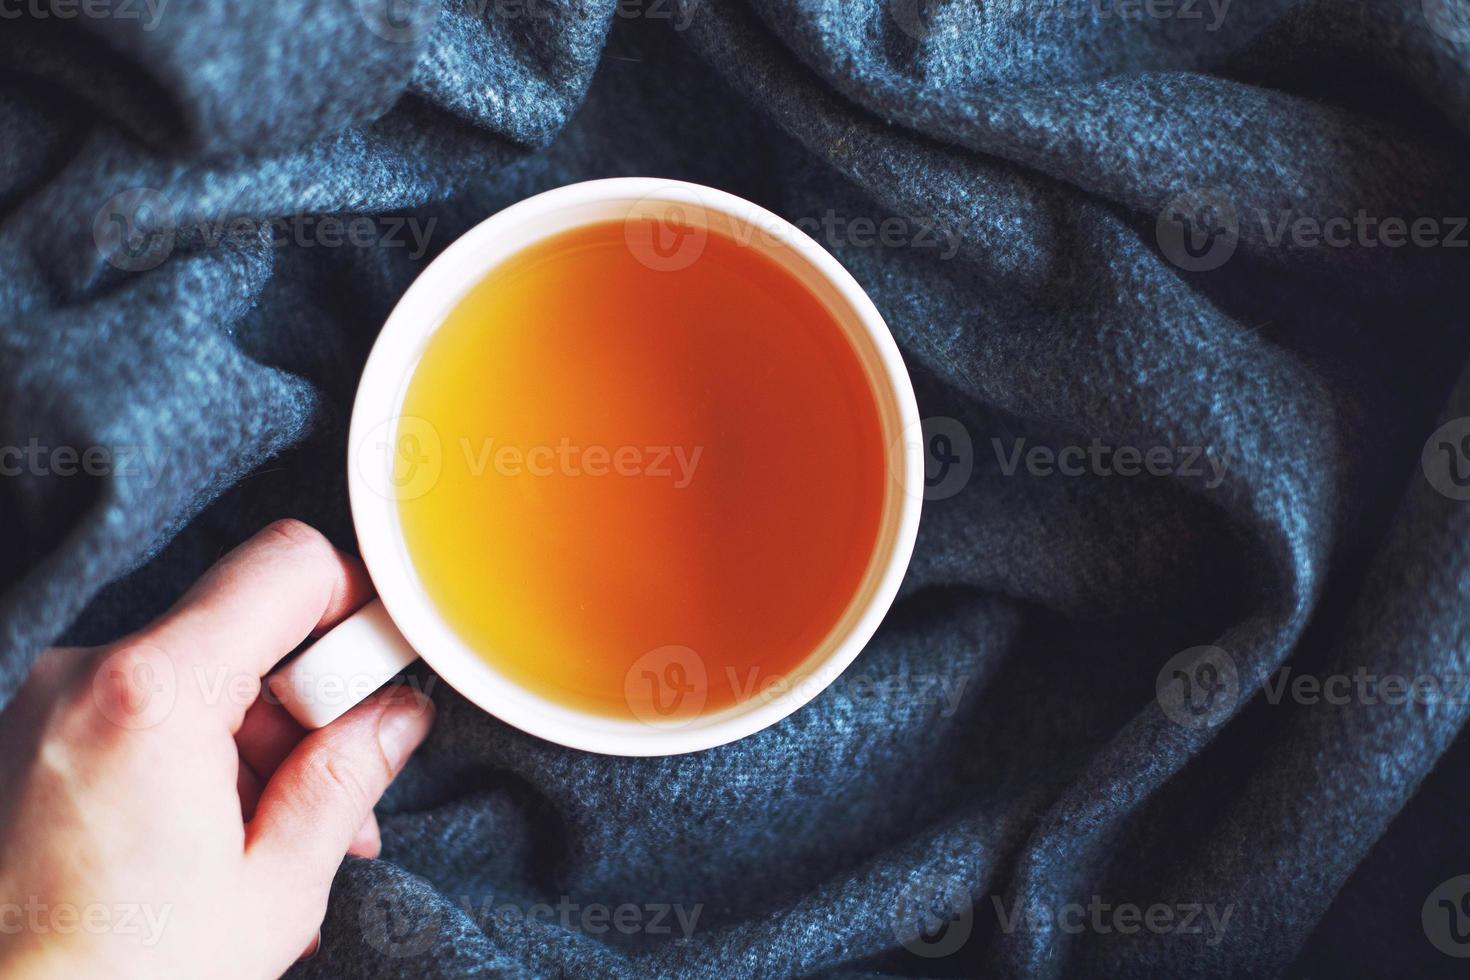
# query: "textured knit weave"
[999,757]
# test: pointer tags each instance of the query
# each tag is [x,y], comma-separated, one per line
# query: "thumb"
[325,790]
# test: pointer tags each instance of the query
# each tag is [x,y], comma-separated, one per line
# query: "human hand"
[157,817]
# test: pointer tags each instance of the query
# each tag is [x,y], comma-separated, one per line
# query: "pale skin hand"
[157,819]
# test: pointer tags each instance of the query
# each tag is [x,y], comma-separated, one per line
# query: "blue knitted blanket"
[1175,683]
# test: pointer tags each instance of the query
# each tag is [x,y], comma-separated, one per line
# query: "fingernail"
[402,726]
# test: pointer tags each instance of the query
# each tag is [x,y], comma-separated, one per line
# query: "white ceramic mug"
[383,638]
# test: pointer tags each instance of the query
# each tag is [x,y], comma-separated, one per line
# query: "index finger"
[259,601]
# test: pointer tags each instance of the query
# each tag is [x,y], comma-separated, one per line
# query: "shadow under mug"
[384,637]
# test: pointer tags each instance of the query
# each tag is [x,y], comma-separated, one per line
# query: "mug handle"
[354,659]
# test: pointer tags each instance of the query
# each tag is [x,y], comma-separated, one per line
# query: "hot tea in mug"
[633,467]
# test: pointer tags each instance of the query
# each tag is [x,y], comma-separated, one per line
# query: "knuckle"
[133,686]
[298,535]
[305,543]
[344,779]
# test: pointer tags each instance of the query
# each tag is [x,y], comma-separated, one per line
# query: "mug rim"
[378,403]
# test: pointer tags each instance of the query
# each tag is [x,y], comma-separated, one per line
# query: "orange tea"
[640,459]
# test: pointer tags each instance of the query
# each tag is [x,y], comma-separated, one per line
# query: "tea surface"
[660,487]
